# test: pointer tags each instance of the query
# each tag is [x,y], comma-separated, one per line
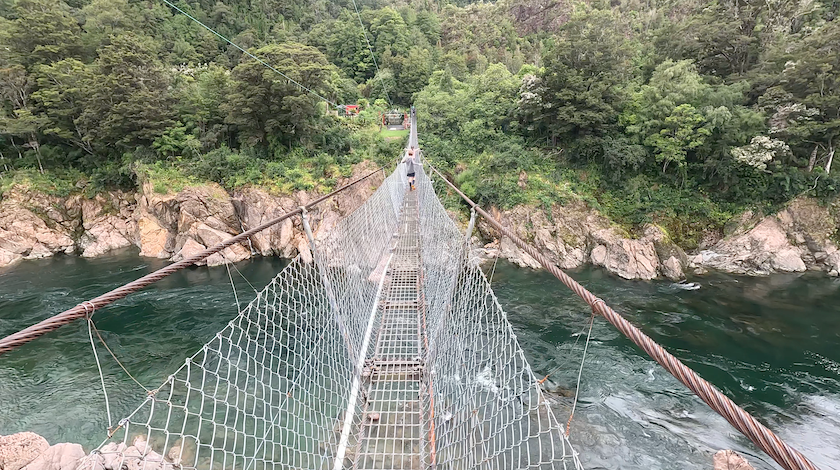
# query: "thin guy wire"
[102,340]
[101,376]
[232,285]
[372,56]
[496,260]
[302,87]
[580,373]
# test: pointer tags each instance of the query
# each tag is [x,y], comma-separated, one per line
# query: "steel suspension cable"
[760,435]
[87,307]
[292,80]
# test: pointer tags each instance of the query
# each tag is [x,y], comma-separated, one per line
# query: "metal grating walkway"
[390,433]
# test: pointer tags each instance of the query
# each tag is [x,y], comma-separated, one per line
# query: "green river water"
[770,343]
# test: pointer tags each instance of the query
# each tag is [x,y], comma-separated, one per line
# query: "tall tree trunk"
[813,160]
[33,142]
[830,158]
[12,140]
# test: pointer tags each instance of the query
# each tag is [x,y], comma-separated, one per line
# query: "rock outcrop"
[169,226]
[794,240]
[33,225]
[179,225]
[64,456]
[576,234]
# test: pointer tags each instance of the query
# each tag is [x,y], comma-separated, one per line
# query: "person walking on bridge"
[410,161]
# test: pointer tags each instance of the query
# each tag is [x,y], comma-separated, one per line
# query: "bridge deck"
[390,433]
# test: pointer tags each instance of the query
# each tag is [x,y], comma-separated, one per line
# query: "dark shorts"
[410,175]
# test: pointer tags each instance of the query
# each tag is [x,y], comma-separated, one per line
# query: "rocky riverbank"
[169,226]
[796,239]
[178,225]
[29,451]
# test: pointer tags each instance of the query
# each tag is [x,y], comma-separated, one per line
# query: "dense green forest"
[674,112]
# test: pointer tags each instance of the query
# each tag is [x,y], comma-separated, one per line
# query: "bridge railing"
[487,406]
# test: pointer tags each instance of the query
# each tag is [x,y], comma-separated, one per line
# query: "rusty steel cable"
[86,308]
[760,435]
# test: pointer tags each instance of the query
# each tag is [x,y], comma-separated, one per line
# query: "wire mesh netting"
[389,350]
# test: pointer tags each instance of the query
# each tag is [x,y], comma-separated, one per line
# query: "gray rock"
[672,269]
[58,457]
[18,450]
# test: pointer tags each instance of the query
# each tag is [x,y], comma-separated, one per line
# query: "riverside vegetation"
[636,129]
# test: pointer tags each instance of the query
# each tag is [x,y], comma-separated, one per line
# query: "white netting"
[388,351]
[489,411]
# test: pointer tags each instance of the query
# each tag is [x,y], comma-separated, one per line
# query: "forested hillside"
[675,112]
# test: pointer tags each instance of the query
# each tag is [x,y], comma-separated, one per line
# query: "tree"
[44,31]
[676,112]
[62,93]
[387,30]
[20,121]
[583,77]
[129,102]
[267,108]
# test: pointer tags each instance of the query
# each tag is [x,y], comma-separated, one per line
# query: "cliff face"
[576,234]
[169,226]
[796,239]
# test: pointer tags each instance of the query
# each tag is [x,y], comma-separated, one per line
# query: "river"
[771,343]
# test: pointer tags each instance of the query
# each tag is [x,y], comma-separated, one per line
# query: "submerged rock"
[729,460]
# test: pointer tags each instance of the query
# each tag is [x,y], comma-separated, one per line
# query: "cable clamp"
[89,308]
[595,303]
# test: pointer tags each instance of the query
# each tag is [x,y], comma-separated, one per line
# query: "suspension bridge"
[388,350]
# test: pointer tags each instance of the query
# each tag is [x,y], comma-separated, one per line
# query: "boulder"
[209,236]
[154,240]
[8,258]
[58,457]
[763,249]
[190,249]
[672,269]
[630,259]
[832,261]
[729,460]
[788,260]
[18,450]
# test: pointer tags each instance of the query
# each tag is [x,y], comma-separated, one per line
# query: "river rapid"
[771,343]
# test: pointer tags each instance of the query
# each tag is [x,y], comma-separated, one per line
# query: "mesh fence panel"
[489,411]
[313,373]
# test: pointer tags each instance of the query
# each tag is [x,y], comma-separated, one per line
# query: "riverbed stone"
[730,460]
[18,450]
